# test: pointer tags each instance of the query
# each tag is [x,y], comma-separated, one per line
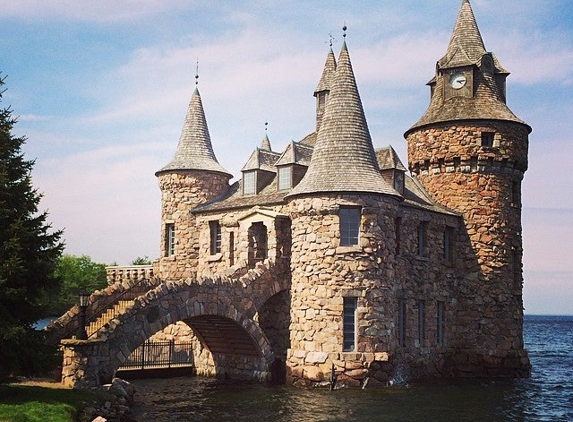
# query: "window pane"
[440,323]
[249,183]
[284,176]
[169,239]
[349,219]
[349,323]
[401,334]
[215,241]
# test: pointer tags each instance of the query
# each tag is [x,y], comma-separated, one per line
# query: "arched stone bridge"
[228,317]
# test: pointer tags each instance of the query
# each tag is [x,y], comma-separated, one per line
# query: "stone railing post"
[84,363]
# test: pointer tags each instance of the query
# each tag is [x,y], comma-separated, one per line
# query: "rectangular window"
[487,139]
[349,324]
[440,323]
[284,177]
[421,322]
[215,237]
[169,239]
[249,183]
[349,220]
[422,239]
[401,332]
[516,194]
[231,249]
[398,231]
[516,258]
[448,244]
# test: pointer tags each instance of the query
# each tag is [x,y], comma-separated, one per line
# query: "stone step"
[107,316]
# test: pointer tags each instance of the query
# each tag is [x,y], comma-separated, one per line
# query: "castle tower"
[340,215]
[192,177]
[470,152]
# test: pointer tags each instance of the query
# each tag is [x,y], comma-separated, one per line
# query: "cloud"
[103,11]
[105,199]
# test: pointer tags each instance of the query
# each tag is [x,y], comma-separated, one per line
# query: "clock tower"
[470,153]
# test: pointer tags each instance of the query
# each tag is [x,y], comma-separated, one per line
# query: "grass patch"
[45,402]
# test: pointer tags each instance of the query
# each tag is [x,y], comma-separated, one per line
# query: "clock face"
[458,80]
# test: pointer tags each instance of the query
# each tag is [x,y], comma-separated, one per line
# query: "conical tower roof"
[194,151]
[466,45]
[343,159]
[327,73]
[466,50]
[266,143]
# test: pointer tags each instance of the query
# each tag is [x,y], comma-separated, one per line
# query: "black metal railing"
[159,355]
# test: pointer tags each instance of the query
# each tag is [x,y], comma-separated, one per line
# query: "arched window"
[258,244]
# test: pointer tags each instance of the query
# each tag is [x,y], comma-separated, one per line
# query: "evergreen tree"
[29,251]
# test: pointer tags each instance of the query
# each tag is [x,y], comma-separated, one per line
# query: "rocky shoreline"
[116,407]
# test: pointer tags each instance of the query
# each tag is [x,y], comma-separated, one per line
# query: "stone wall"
[180,192]
[378,275]
[483,184]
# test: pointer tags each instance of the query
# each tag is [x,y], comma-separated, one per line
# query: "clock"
[458,80]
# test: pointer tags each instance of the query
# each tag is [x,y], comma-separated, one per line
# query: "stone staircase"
[107,316]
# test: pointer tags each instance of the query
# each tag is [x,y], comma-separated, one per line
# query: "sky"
[101,89]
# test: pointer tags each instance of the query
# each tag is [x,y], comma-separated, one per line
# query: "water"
[546,396]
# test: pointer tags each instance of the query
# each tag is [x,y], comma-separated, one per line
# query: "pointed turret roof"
[266,143]
[466,49]
[466,45]
[327,73]
[194,151]
[343,159]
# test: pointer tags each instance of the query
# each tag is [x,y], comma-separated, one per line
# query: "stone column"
[84,363]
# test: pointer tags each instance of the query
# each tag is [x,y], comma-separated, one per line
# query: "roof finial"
[266,126]
[197,73]
[331,37]
[344,28]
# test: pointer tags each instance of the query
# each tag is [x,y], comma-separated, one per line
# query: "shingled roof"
[466,49]
[194,151]
[343,159]
[327,73]
[388,159]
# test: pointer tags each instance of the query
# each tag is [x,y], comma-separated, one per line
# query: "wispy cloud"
[91,11]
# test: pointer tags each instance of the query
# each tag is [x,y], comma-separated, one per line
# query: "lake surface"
[546,396]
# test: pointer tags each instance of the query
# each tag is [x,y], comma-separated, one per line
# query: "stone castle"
[329,258]
[386,271]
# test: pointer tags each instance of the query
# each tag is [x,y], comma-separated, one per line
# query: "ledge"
[213,258]
[348,249]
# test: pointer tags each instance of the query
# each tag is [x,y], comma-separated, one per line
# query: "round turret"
[469,151]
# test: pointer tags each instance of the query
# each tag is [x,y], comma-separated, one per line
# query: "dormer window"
[399,181]
[249,183]
[284,178]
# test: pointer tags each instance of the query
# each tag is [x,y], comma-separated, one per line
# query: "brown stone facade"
[180,192]
[329,262]
[483,184]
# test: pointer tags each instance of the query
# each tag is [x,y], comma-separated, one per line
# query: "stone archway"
[93,362]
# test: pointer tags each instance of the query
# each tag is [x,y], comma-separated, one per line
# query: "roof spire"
[197,73]
[466,45]
[343,159]
[265,143]
[194,150]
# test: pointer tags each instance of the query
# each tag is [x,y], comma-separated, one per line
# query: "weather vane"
[344,28]
[332,39]
[197,72]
